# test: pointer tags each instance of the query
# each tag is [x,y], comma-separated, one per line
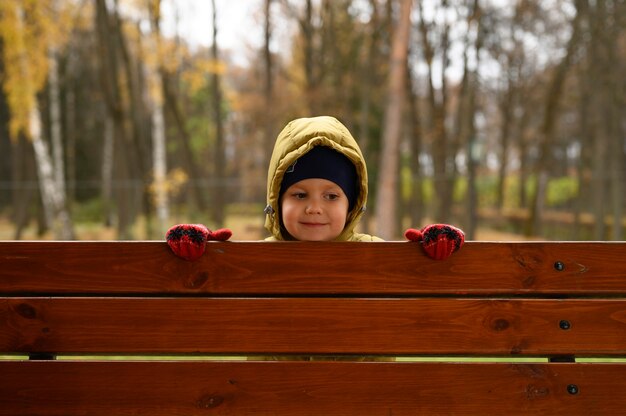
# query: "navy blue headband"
[324,163]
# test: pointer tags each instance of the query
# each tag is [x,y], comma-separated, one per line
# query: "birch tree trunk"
[57,216]
[159,163]
[160,166]
[52,195]
[55,121]
[386,200]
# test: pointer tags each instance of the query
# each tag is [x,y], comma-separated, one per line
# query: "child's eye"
[299,195]
[332,197]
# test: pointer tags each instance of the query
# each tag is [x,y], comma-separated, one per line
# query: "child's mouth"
[312,224]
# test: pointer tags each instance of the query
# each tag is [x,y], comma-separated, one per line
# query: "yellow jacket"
[296,139]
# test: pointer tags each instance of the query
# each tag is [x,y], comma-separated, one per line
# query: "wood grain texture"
[294,299]
[309,388]
[388,326]
[236,268]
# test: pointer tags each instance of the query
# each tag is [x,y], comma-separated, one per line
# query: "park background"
[120,118]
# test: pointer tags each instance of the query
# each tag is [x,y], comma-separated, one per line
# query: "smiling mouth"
[312,224]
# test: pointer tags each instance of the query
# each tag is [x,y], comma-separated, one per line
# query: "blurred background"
[120,118]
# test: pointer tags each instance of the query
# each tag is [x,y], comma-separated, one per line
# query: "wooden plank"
[309,388]
[446,326]
[277,268]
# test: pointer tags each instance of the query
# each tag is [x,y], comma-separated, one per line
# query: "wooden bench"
[186,328]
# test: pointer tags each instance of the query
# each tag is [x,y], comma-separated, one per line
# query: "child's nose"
[314,207]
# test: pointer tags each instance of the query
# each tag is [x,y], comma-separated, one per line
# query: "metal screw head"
[559,266]
[564,324]
[572,389]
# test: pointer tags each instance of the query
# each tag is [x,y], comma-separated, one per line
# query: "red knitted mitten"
[188,241]
[439,240]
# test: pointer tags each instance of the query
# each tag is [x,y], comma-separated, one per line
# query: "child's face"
[314,210]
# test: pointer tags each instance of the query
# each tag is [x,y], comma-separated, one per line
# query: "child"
[316,191]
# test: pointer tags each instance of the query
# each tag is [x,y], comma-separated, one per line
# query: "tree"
[467,109]
[28,63]
[369,75]
[159,161]
[437,98]
[219,159]
[268,92]
[548,129]
[115,116]
[389,167]
[605,76]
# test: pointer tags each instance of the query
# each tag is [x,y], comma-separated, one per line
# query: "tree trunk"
[523,148]
[127,157]
[306,25]
[136,114]
[466,115]
[533,226]
[369,78]
[416,200]
[70,136]
[613,118]
[511,78]
[437,128]
[55,122]
[52,195]
[219,154]
[388,170]
[506,111]
[195,173]
[24,184]
[159,163]
[107,169]
[604,75]
[53,199]
[160,167]
[268,92]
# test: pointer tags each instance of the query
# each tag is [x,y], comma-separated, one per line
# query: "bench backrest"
[188,327]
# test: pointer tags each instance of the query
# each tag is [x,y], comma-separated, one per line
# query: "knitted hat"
[324,163]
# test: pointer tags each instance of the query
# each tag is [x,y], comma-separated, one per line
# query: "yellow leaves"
[234,98]
[198,75]
[195,80]
[81,20]
[25,60]
[30,29]
[211,66]
[168,54]
[173,183]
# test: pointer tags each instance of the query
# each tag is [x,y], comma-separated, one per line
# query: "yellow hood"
[296,139]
